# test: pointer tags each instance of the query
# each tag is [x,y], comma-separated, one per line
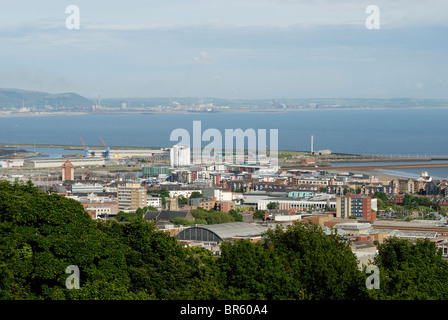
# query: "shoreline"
[240,110]
[382,177]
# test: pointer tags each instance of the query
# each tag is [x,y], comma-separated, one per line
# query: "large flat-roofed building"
[221,232]
[353,228]
[129,153]
[58,162]
[87,188]
[413,226]
[297,204]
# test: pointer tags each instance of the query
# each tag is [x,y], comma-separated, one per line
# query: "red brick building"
[68,171]
[357,205]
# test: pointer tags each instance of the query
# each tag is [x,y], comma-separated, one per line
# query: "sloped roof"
[67,163]
[167,215]
[234,229]
[355,226]
[221,231]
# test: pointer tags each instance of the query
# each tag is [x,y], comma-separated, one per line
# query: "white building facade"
[180,156]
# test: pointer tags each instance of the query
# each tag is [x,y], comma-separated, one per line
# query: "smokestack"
[312,144]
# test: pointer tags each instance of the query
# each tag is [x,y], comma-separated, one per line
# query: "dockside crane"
[107,152]
[86,149]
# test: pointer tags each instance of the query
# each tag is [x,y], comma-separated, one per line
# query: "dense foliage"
[411,271]
[42,234]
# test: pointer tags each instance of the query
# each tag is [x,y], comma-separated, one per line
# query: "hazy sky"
[226,48]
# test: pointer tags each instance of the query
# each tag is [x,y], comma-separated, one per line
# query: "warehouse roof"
[355,226]
[410,224]
[220,232]
[166,215]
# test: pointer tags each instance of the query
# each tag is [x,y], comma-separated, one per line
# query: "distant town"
[23,102]
[164,186]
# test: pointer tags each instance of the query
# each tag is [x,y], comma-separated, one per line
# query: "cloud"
[442,81]
[270,47]
[203,57]
[419,85]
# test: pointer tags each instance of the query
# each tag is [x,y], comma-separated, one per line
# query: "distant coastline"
[4,114]
[379,173]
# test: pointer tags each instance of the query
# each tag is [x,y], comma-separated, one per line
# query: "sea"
[391,132]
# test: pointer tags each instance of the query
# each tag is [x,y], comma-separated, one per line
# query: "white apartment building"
[180,156]
[296,204]
[223,195]
[186,193]
[155,202]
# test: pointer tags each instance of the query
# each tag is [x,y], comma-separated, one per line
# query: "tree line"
[42,234]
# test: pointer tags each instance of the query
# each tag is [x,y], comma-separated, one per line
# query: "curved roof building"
[220,232]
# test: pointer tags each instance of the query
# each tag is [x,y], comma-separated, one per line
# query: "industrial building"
[58,162]
[322,201]
[221,232]
[11,163]
[123,154]
[87,188]
[431,226]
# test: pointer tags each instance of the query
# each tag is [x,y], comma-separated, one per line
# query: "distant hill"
[15,98]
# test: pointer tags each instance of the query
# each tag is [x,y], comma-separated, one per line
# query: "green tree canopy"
[323,266]
[259,214]
[195,194]
[42,234]
[236,216]
[381,195]
[272,205]
[411,271]
[212,216]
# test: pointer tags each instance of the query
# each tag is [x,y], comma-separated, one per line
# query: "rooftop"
[355,226]
[234,229]
[220,232]
[410,224]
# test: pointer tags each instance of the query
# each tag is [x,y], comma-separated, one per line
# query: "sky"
[234,49]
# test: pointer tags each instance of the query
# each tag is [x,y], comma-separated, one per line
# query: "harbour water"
[362,131]
[434,172]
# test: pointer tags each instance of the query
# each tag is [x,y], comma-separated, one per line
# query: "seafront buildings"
[263,196]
